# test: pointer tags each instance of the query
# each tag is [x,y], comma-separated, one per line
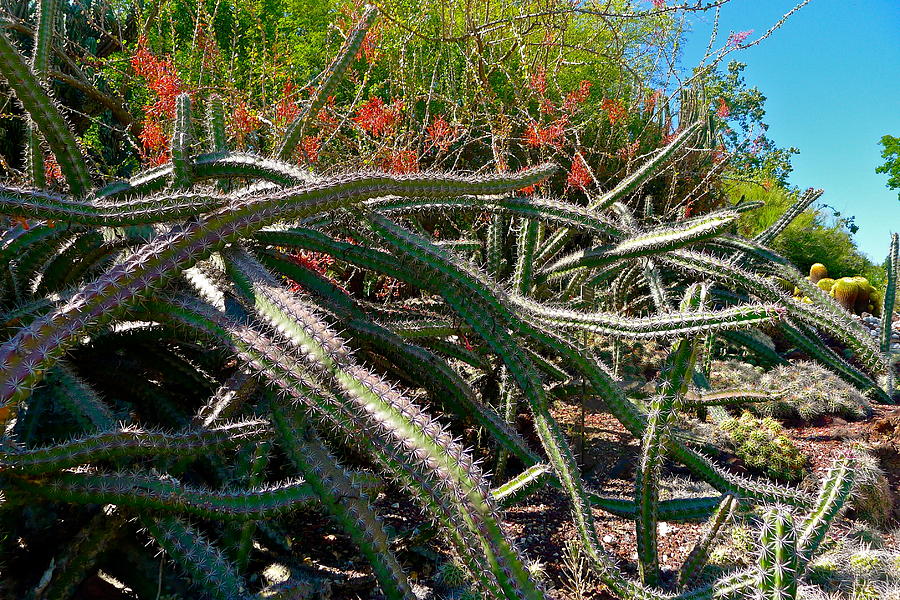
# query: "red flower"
[309,148]
[440,133]
[538,81]
[615,110]
[286,110]
[551,135]
[243,122]
[578,97]
[402,161]
[579,176]
[658,4]
[52,171]
[723,111]
[154,140]
[377,118]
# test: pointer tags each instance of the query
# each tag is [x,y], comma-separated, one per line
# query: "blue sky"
[832,78]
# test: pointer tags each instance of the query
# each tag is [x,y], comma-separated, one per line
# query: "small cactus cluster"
[853,294]
[170,374]
[799,389]
[764,448]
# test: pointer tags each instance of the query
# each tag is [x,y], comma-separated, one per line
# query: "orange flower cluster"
[579,176]
[615,110]
[440,134]
[165,85]
[377,118]
[551,135]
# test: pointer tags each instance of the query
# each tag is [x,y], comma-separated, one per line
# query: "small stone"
[395,505]
[607,539]
[664,529]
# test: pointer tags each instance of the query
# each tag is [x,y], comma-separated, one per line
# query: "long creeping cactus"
[242,404]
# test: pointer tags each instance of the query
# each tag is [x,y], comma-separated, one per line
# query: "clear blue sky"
[832,78]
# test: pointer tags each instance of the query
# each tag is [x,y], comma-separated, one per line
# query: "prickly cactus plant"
[171,374]
[817,272]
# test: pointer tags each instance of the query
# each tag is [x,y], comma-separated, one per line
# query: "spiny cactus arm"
[620,191]
[75,563]
[835,490]
[750,341]
[657,326]
[808,341]
[88,251]
[887,310]
[34,204]
[216,139]
[777,563]
[522,485]
[394,438]
[346,502]
[25,357]
[647,491]
[79,399]
[634,421]
[214,165]
[228,399]
[802,203]
[644,244]
[672,511]
[45,13]
[699,555]
[328,354]
[524,272]
[45,114]
[545,210]
[131,442]
[251,473]
[330,78]
[445,384]
[726,397]
[181,143]
[483,308]
[150,492]
[842,327]
[197,556]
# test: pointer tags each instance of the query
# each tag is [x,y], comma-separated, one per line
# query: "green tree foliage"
[891,156]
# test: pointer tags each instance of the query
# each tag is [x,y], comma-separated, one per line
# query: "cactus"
[817,272]
[287,388]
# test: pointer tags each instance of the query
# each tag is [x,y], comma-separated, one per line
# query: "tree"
[891,166]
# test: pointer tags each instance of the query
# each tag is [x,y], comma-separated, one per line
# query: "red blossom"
[314,261]
[576,98]
[243,122]
[658,4]
[326,113]
[286,110]
[309,148]
[579,176]
[538,81]
[402,161]
[52,171]
[440,133]
[615,110]
[722,111]
[377,118]
[551,135]
[738,38]
[162,80]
